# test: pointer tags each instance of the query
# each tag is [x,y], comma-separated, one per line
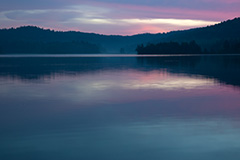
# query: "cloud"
[176,22]
[123,17]
[214,5]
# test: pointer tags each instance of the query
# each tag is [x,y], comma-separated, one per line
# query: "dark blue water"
[121,108]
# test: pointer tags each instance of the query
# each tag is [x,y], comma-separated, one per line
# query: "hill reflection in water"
[224,69]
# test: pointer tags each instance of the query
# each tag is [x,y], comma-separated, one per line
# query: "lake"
[55,107]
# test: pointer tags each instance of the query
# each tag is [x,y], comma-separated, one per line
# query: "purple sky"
[124,17]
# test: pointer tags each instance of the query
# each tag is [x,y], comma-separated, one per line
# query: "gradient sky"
[125,17]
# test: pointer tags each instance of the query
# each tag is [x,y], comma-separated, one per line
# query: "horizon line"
[55,30]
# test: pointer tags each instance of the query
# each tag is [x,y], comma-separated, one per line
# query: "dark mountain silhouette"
[33,39]
[218,38]
[222,37]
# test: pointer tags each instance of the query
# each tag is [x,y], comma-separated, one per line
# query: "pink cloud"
[139,11]
[122,17]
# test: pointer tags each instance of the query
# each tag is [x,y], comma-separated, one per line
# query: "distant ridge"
[32,39]
[225,30]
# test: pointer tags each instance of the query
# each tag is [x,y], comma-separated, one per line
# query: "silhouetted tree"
[122,50]
[226,46]
[170,48]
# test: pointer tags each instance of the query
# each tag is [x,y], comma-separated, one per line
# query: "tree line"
[170,48]
[225,47]
[220,47]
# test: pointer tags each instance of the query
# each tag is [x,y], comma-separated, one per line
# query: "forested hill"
[219,38]
[229,29]
[31,39]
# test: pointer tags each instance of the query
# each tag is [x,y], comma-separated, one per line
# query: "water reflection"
[120,108]
[225,69]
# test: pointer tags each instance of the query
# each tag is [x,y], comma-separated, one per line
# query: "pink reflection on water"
[137,93]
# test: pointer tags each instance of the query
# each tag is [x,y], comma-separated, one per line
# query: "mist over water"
[108,107]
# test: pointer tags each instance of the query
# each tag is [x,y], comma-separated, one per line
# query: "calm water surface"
[120,108]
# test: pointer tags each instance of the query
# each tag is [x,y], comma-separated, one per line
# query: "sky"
[115,17]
